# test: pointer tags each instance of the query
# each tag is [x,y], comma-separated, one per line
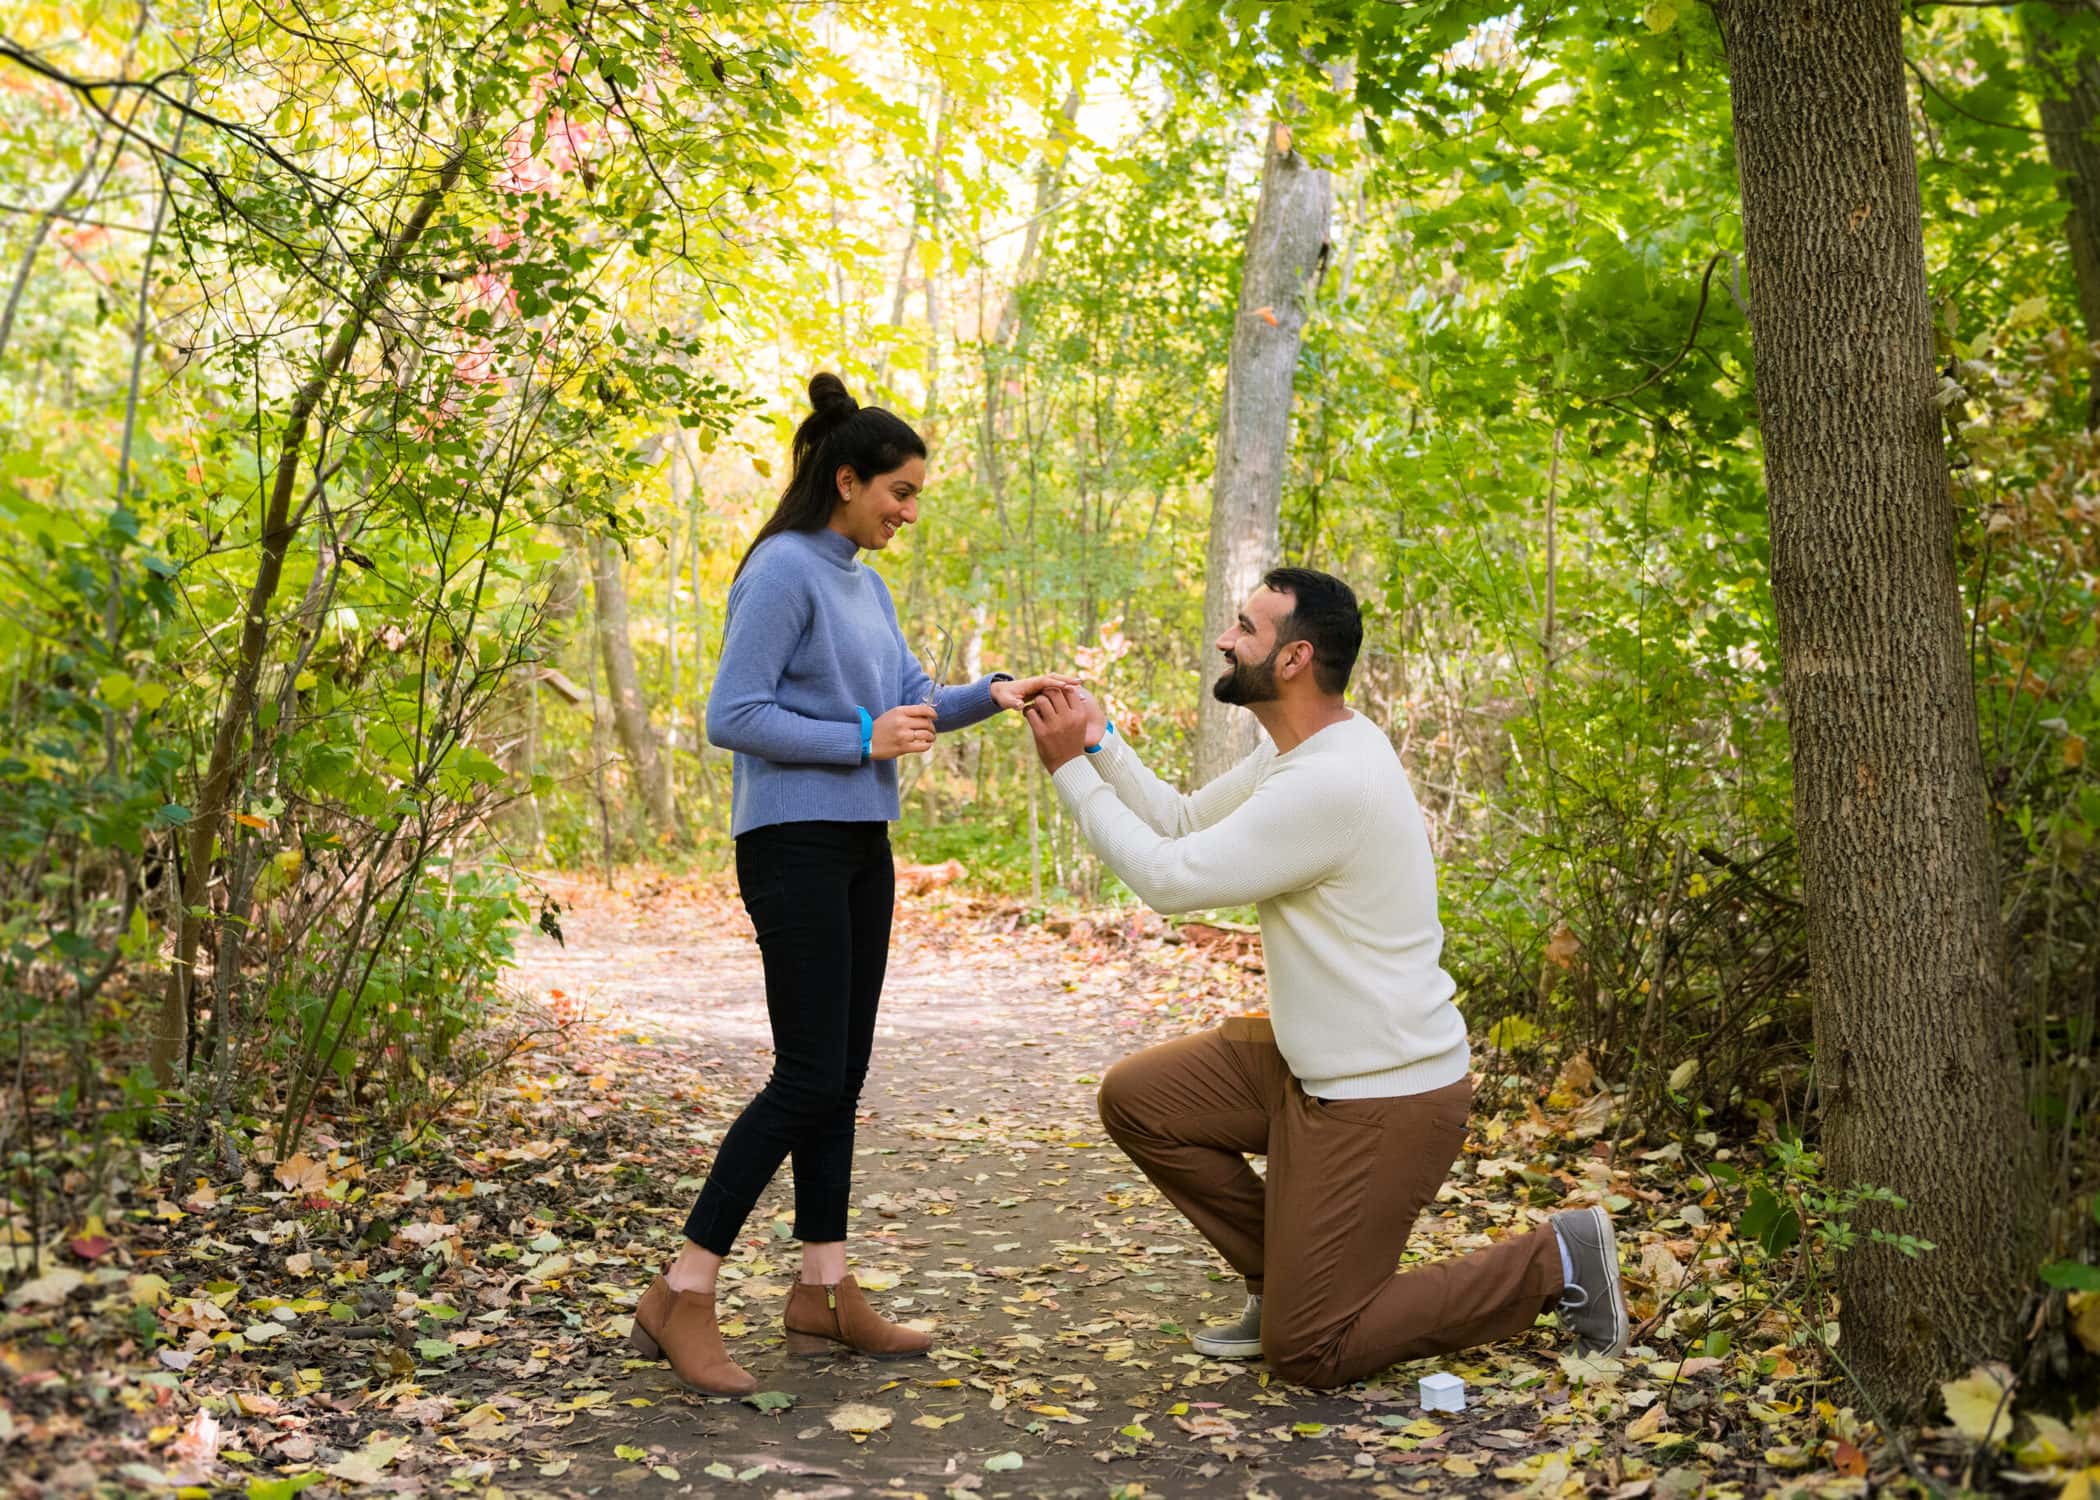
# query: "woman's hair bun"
[828,396]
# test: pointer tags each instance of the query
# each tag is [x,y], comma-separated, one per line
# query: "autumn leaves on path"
[988,1204]
[448,1314]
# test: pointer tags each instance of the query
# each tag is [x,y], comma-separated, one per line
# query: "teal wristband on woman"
[1106,730]
[867,734]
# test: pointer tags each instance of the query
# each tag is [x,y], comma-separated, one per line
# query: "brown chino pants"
[1321,1236]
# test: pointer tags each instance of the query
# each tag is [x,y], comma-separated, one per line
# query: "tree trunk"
[1915,1054]
[1286,251]
[623,686]
[171,1030]
[2066,54]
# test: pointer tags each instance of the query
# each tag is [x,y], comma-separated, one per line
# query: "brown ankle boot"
[681,1326]
[821,1318]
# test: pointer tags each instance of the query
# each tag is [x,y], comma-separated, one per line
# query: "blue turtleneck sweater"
[810,642]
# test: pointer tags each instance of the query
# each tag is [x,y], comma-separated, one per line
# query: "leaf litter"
[453,1317]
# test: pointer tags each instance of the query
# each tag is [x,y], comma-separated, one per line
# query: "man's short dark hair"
[1324,612]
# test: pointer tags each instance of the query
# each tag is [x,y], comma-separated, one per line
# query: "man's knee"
[1119,1091]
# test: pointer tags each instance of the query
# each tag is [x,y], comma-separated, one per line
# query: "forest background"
[387,393]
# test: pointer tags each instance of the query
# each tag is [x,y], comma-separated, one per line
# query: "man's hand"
[905,730]
[1096,715]
[1017,692]
[1057,717]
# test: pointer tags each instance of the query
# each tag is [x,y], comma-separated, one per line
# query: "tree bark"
[1286,252]
[2066,57]
[1915,1053]
[623,685]
[171,1029]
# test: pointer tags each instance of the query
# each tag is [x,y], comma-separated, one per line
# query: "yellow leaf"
[250,820]
[2085,1319]
[1979,1405]
[2074,751]
[1283,139]
[1646,1425]
[1512,1032]
[2085,1486]
[2033,310]
[1464,1468]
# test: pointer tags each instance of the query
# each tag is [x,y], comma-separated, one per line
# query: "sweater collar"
[835,545]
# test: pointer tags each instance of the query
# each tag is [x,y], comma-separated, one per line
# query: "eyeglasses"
[940,672]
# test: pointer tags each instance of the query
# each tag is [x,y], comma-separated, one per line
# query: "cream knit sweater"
[1327,840]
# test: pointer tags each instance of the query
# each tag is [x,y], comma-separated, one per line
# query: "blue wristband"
[1106,730]
[867,734]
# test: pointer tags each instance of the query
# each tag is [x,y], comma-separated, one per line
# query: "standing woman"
[818,695]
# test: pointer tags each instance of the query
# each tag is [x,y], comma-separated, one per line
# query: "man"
[1356,1086]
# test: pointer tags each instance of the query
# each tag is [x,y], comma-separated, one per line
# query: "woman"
[818,696]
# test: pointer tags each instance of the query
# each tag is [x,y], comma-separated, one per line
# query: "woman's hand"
[1017,692]
[906,729]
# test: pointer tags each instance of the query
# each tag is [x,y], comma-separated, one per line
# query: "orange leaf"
[1848,1460]
[2074,752]
[1283,140]
[1267,315]
[250,820]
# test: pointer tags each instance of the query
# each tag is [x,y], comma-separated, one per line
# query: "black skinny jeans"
[820,895]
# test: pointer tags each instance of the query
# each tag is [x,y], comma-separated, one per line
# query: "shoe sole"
[1620,1328]
[1226,1348]
[816,1346]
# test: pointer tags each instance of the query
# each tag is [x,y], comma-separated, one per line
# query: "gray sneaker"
[1240,1339]
[1593,1308]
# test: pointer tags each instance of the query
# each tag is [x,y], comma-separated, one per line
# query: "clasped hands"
[908,729]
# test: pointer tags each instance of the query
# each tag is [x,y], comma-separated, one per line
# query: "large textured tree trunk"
[1915,1054]
[1286,251]
[171,1028]
[2065,49]
[623,684]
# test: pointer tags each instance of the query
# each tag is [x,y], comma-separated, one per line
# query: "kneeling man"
[1356,1086]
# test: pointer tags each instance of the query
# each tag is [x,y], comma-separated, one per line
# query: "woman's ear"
[845,479]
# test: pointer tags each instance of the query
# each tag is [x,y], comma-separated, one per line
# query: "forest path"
[989,1203]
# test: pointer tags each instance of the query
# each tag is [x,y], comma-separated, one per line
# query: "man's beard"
[1244,686]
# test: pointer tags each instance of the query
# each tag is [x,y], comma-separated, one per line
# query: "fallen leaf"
[859,1419]
[367,1465]
[302,1174]
[1979,1404]
[1647,1424]
[47,1290]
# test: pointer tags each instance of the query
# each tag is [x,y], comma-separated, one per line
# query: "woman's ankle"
[695,1270]
[824,1264]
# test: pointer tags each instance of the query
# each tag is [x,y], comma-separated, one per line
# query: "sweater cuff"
[965,704]
[1073,780]
[1111,755]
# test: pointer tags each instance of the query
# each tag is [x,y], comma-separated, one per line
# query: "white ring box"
[1442,1392]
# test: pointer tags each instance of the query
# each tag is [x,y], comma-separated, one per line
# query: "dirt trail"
[988,1201]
